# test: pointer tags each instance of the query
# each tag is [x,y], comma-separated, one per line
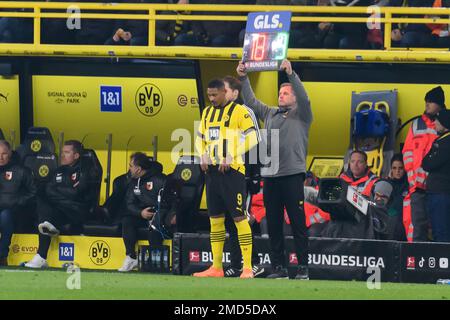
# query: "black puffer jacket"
[68,190]
[351,28]
[143,193]
[437,163]
[17,188]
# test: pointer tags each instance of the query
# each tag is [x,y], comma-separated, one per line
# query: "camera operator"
[349,221]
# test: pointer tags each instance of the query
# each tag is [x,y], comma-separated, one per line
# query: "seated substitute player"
[226,133]
[64,203]
[17,190]
[142,206]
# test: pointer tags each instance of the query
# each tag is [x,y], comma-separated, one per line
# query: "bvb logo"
[149,100]
[36,145]
[99,252]
[43,171]
[186,174]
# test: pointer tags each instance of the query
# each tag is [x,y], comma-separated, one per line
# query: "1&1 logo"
[149,99]
[99,252]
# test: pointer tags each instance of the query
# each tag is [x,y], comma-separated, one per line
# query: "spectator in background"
[55,31]
[418,142]
[64,204]
[439,32]
[420,35]
[397,178]
[307,34]
[213,33]
[437,163]
[131,32]
[375,39]
[94,31]
[17,191]
[16,30]
[167,30]
[345,35]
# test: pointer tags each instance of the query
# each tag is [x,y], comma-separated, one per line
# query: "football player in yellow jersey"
[226,132]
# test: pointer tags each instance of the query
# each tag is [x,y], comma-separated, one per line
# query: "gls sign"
[277,21]
[262,22]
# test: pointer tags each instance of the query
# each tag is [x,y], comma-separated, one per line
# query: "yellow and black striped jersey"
[232,129]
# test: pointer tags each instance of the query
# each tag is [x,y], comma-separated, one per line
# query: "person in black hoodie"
[437,164]
[399,182]
[213,33]
[412,34]
[115,204]
[64,203]
[17,190]
[144,207]
[345,35]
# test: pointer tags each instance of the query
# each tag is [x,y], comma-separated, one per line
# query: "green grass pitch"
[16,283]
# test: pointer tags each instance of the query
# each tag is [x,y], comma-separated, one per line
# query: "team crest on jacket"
[149,185]
[74,176]
[8,175]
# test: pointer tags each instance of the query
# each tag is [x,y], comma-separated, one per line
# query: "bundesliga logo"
[293,258]
[411,263]
[194,256]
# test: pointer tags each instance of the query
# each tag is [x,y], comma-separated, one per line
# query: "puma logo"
[4,97]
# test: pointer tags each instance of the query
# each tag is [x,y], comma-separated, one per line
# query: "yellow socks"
[245,242]
[217,240]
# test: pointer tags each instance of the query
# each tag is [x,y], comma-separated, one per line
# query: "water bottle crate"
[154,259]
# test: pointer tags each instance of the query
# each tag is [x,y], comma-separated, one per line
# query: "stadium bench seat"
[192,179]
[38,140]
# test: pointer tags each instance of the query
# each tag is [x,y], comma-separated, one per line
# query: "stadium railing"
[385,16]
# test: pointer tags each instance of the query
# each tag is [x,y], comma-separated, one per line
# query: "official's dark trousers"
[130,226]
[419,216]
[279,193]
[439,208]
[6,231]
[65,220]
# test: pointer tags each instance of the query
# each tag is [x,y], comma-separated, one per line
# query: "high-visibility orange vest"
[257,208]
[363,185]
[436,28]
[418,143]
[312,213]
[407,220]
[315,215]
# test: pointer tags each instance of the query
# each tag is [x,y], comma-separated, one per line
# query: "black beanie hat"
[444,118]
[436,95]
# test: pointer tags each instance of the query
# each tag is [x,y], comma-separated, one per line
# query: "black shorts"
[225,192]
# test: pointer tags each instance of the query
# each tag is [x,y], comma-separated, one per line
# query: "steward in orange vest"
[418,142]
